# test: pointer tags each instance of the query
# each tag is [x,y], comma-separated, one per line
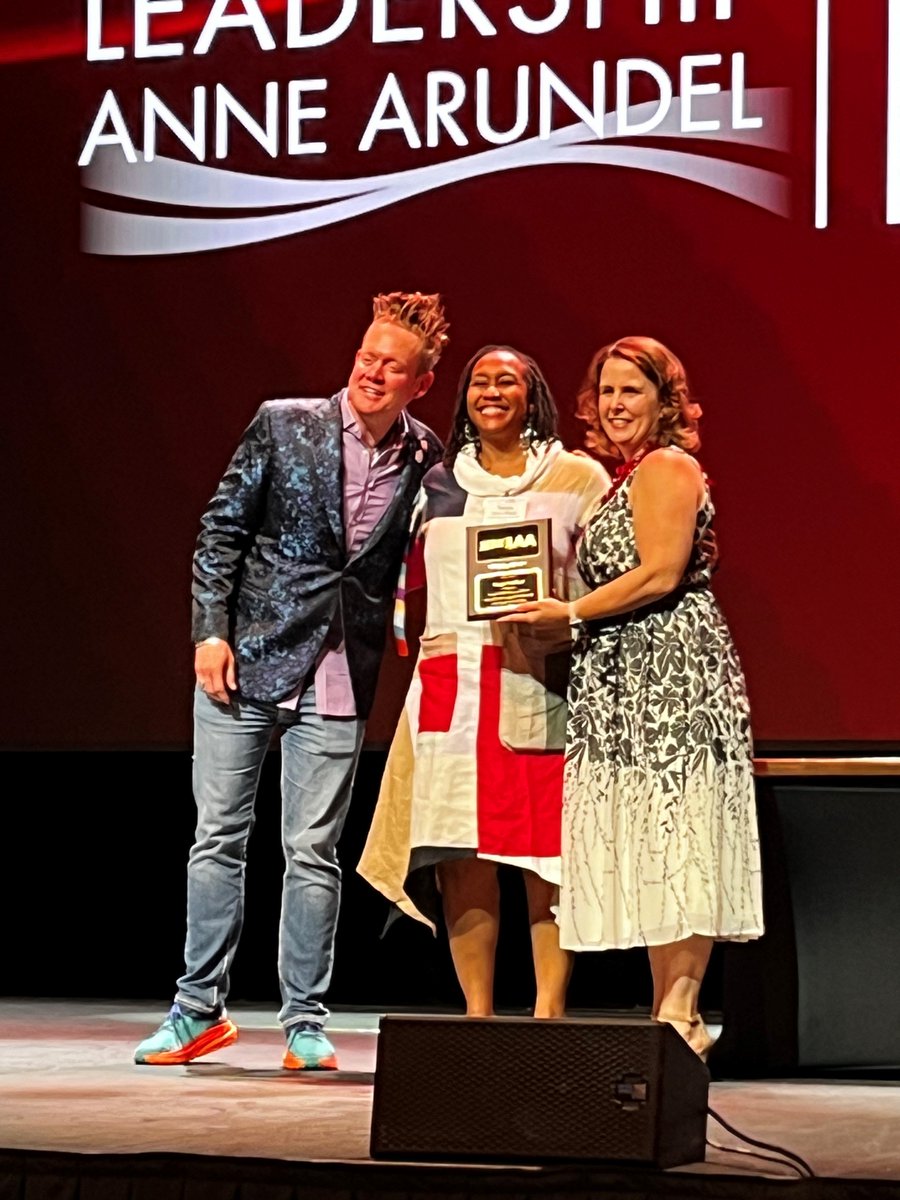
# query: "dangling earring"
[470,434]
[528,436]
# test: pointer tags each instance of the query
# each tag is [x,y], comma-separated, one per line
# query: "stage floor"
[68,1084]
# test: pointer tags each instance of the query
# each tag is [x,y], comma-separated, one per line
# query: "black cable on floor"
[764,1145]
[757,1154]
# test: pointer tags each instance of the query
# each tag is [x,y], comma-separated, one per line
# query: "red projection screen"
[202,197]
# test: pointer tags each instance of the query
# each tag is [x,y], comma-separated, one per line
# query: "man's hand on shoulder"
[214,667]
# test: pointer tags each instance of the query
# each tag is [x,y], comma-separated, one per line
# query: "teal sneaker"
[308,1049]
[183,1036]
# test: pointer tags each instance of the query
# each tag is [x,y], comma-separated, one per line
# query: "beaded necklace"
[623,471]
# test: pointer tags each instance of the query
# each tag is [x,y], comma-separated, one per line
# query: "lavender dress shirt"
[370,475]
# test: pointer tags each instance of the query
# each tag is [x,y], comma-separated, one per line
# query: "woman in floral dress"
[660,845]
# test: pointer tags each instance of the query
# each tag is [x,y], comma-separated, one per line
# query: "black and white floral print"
[659,819]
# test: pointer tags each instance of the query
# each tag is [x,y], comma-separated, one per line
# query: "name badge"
[504,508]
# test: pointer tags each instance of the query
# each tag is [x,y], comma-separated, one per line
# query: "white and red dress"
[476,765]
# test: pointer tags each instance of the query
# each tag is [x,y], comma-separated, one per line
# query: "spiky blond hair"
[421,314]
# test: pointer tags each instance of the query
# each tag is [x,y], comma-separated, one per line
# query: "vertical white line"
[823,68]
[893,114]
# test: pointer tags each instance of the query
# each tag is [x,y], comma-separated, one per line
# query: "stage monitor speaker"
[513,1089]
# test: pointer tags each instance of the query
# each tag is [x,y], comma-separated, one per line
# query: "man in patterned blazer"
[294,573]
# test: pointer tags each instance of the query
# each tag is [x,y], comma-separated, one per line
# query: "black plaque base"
[519,1089]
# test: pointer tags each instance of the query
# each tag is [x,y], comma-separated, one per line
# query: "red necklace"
[623,471]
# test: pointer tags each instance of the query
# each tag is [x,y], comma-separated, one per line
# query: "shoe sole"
[215,1038]
[291,1062]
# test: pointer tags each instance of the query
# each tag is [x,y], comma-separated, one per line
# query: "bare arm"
[665,495]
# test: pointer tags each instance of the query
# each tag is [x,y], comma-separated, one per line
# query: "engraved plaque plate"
[507,565]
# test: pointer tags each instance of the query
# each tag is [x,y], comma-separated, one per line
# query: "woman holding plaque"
[474,775]
[660,845]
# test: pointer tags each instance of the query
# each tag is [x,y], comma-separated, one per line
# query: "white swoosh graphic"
[169,181]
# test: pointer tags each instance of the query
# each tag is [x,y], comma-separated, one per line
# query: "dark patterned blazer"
[271,573]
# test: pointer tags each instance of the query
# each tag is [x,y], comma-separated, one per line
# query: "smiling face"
[628,405]
[497,396]
[386,374]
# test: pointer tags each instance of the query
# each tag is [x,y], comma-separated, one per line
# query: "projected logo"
[707,101]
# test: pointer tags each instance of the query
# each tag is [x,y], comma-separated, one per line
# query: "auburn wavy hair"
[679,416]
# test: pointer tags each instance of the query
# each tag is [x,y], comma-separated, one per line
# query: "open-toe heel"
[694,1033]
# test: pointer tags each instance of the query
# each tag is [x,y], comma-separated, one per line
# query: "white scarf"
[474,479]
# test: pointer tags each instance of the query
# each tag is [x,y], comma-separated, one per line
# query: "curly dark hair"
[679,415]
[542,417]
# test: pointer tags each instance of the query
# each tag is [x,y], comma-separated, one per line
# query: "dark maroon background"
[130,380]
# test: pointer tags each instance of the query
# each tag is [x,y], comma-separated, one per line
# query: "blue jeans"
[318,762]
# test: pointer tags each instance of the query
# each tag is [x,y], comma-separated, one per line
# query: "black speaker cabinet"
[517,1089]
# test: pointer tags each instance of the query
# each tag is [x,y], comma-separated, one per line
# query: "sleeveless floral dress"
[659,817]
